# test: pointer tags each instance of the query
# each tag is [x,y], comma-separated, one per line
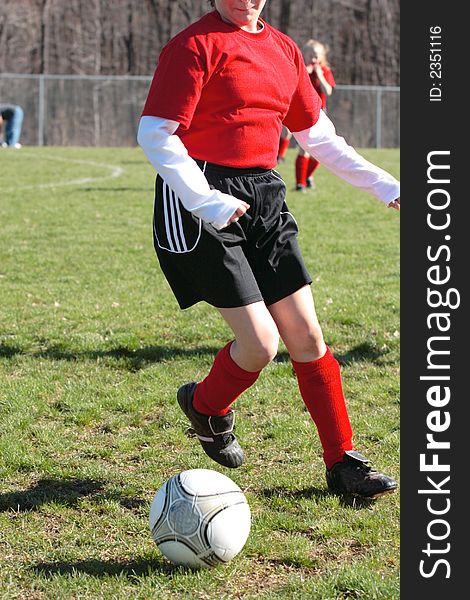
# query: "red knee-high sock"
[225,382]
[322,391]
[312,166]
[283,145]
[301,164]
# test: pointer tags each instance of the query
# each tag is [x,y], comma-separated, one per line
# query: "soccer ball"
[200,518]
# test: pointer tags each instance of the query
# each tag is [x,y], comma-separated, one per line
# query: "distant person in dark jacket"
[11,121]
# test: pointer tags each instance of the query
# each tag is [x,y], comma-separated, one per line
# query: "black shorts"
[256,259]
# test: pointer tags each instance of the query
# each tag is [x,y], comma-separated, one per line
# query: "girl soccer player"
[321,76]
[223,233]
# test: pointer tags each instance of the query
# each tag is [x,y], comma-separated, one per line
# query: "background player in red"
[284,142]
[223,232]
[316,62]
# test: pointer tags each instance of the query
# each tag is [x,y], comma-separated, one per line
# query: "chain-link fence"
[76,110]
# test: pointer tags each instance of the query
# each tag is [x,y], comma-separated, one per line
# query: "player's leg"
[320,385]
[301,166]
[201,263]
[236,367]
[238,364]
[317,371]
[13,128]
[312,166]
[284,141]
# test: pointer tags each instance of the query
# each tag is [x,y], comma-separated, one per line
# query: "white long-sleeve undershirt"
[167,153]
[333,152]
[181,173]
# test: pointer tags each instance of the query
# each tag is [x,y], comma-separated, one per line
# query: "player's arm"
[332,151]
[327,88]
[169,156]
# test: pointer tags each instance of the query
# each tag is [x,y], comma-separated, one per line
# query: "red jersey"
[231,91]
[328,75]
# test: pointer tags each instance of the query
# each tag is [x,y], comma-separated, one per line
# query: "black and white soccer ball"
[200,518]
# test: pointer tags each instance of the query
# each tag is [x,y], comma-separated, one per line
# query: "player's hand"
[241,210]
[395,204]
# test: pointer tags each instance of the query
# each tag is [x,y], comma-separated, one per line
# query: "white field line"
[114,171]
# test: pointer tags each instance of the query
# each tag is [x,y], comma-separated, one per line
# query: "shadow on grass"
[66,492]
[287,494]
[121,356]
[282,357]
[9,351]
[356,503]
[313,492]
[106,568]
[365,352]
[136,359]
[296,563]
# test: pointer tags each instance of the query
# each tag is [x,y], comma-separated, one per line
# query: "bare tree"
[284,21]
[125,37]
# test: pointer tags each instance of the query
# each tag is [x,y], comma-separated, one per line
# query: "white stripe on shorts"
[165,212]
[173,220]
[174,229]
[180,222]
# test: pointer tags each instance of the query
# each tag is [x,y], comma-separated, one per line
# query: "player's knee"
[271,349]
[308,341]
[265,350]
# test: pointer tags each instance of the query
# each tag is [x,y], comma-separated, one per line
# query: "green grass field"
[92,350]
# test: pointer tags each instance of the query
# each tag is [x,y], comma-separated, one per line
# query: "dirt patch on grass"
[248,584]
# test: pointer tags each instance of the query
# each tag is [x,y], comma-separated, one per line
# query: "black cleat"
[215,433]
[354,476]
[300,188]
[310,182]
